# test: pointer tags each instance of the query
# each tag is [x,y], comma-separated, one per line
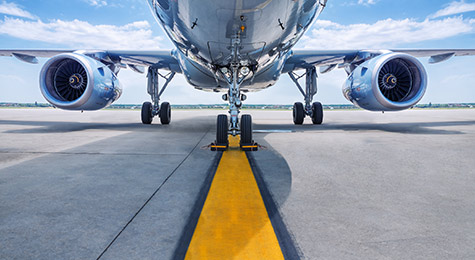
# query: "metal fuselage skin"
[203,32]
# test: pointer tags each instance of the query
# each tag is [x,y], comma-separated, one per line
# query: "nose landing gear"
[234,126]
[222,134]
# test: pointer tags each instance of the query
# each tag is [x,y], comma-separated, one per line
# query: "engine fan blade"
[395,80]
[70,80]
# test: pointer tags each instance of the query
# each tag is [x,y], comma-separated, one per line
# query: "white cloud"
[383,34]
[13,78]
[367,2]
[97,3]
[455,8]
[80,34]
[15,10]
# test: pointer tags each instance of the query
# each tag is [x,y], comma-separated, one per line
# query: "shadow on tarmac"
[403,128]
[65,127]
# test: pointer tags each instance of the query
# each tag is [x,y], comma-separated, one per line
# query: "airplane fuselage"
[206,32]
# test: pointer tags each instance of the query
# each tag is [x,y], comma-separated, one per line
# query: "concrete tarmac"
[362,186]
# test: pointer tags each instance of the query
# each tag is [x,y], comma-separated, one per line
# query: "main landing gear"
[313,110]
[150,110]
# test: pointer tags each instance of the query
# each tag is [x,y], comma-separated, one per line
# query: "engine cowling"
[73,81]
[389,82]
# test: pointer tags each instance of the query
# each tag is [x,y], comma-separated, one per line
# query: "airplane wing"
[329,60]
[162,59]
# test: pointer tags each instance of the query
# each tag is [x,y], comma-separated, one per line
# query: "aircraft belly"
[209,26]
[203,31]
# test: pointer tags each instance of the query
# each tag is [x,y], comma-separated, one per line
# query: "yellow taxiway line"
[234,223]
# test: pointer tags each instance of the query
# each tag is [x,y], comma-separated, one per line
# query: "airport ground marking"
[234,223]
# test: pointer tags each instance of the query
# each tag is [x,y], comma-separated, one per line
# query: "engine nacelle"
[74,81]
[390,82]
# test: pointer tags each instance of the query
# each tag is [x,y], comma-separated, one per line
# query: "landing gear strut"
[234,74]
[150,110]
[313,110]
[235,126]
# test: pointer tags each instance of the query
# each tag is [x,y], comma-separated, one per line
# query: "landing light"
[226,72]
[244,71]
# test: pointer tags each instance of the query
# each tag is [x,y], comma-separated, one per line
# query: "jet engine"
[389,82]
[74,81]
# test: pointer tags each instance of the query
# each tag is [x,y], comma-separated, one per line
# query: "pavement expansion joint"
[153,194]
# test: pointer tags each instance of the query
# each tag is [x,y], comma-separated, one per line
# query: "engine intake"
[390,82]
[70,80]
[74,81]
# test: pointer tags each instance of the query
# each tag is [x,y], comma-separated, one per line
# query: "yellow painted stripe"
[218,146]
[234,223]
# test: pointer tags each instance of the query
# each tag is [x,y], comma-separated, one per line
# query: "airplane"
[235,47]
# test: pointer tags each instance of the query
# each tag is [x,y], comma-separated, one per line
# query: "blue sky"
[344,24]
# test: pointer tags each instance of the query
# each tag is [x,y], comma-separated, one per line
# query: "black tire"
[298,113]
[147,113]
[165,113]
[246,129]
[222,129]
[317,113]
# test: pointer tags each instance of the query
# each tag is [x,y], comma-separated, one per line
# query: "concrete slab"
[71,203]
[361,186]
[374,186]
